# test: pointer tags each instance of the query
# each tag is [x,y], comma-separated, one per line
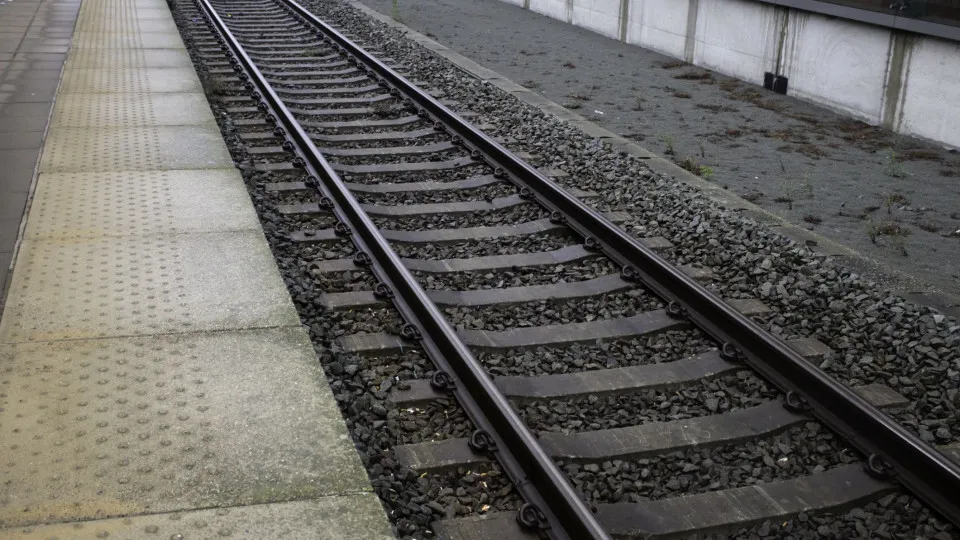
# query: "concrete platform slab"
[134,148]
[115,110]
[88,205]
[140,79]
[17,170]
[126,286]
[102,428]
[329,518]
[20,140]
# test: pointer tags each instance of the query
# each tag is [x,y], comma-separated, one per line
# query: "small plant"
[638,104]
[395,10]
[783,199]
[899,242]
[894,165]
[668,140]
[672,64]
[691,164]
[891,199]
[694,76]
[806,186]
[871,228]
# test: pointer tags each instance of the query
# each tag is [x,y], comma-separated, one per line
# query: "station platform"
[155,381]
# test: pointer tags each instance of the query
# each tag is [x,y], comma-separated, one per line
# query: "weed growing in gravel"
[395,10]
[782,199]
[691,164]
[672,64]
[896,232]
[694,76]
[899,243]
[871,228]
[793,190]
[668,140]
[891,199]
[894,165]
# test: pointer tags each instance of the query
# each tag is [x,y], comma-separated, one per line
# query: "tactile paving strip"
[127,40]
[330,518]
[101,428]
[124,286]
[127,59]
[134,148]
[132,203]
[114,110]
[130,81]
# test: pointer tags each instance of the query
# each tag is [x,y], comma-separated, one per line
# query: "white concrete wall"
[838,63]
[909,83]
[930,105]
[660,25]
[555,9]
[601,16]
[736,37]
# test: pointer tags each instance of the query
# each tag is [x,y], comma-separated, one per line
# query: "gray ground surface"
[893,198]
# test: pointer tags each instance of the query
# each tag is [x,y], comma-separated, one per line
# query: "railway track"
[578,358]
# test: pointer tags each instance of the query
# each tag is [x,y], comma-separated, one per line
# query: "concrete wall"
[906,82]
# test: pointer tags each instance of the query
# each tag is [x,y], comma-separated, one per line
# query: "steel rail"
[552,503]
[893,451]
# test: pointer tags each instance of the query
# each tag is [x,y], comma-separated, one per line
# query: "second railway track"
[578,357]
